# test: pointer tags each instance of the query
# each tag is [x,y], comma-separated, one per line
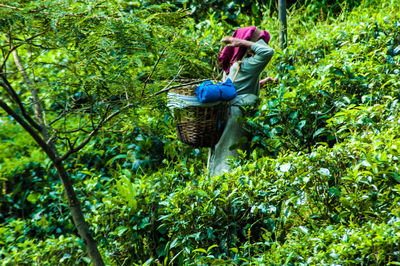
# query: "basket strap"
[239,64]
[179,132]
[219,117]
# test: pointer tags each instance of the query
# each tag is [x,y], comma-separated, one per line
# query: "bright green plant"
[320,185]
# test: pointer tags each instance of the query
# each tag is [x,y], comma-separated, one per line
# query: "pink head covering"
[231,54]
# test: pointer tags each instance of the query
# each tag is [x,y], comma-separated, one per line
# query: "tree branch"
[40,11]
[116,123]
[73,202]
[8,55]
[34,36]
[29,129]
[14,47]
[7,86]
[74,130]
[179,86]
[154,69]
[37,107]
[11,7]
[58,118]
[94,132]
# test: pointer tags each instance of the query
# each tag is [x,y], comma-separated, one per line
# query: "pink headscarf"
[231,54]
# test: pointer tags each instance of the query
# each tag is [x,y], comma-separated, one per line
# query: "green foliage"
[237,12]
[320,186]
[374,243]
[90,59]
[339,66]
[17,248]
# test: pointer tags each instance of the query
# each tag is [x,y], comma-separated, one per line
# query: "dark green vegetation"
[321,185]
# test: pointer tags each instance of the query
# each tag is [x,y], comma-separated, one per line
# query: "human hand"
[231,41]
[268,79]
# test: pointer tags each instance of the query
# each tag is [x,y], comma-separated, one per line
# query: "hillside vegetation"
[321,185]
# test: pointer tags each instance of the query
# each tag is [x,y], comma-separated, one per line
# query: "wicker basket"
[200,126]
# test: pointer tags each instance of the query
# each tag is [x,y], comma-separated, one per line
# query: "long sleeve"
[248,77]
[257,63]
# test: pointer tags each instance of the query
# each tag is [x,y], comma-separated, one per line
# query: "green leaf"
[33,197]
[254,8]
[200,250]
[121,230]
[318,132]
[234,250]
[301,124]
[396,177]
[65,257]
[174,243]
[337,72]
[274,120]
[293,115]
[304,230]
[213,246]
[148,262]
[324,171]
[120,156]
[175,257]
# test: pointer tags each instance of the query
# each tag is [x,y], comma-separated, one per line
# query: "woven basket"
[200,126]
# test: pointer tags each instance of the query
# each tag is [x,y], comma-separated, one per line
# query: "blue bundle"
[208,92]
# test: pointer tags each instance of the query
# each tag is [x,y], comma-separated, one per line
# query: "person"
[243,59]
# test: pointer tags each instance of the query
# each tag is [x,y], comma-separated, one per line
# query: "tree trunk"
[73,202]
[282,23]
[77,215]
[52,153]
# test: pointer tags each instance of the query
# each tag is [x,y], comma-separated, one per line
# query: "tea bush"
[320,186]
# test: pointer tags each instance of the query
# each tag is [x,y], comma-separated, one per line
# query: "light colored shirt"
[248,78]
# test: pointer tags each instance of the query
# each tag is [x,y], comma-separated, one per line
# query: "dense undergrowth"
[321,185]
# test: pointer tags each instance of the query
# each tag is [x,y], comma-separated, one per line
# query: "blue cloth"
[221,91]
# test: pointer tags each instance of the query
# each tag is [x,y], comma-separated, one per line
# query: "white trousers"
[233,132]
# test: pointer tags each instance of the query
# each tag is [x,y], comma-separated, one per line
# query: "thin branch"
[14,47]
[30,130]
[11,7]
[172,80]
[177,75]
[92,105]
[67,139]
[37,106]
[34,36]
[183,80]
[7,86]
[179,86]
[8,55]
[116,131]
[51,139]
[94,132]
[152,72]
[74,130]
[116,123]
[58,118]
[73,144]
